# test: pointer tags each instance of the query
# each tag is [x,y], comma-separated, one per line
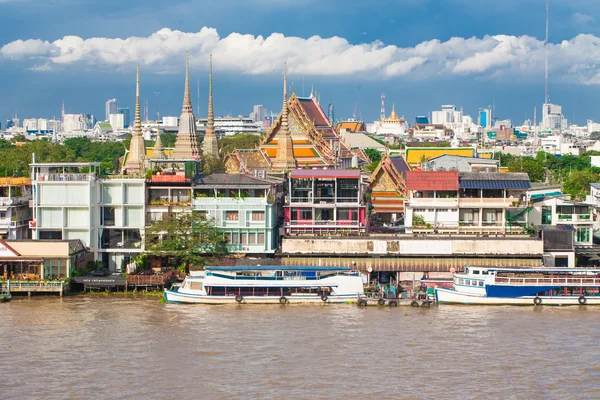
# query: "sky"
[420,53]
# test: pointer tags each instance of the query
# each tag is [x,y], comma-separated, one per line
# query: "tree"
[530,166]
[577,183]
[211,164]
[188,236]
[374,155]
[239,141]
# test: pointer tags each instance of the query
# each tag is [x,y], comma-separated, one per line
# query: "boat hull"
[451,296]
[173,296]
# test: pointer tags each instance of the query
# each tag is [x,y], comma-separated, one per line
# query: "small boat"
[269,285]
[523,286]
[5,292]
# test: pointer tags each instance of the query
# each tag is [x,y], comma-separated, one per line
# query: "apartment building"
[15,214]
[325,202]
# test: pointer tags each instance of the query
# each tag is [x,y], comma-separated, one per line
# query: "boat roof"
[543,269]
[275,268]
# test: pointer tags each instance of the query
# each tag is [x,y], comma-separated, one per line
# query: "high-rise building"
[112,107]
[126,120]
[485,119]
[74,122]
[258,113]
[30,124]
[116,121]
[552,117]
[448,115]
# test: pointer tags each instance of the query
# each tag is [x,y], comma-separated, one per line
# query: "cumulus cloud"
[494,57]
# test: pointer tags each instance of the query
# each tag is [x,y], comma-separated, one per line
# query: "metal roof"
[276,268]
[494,184]
[554,228]
[325,173]
[432,180]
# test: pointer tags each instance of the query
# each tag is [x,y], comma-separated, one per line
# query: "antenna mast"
[546,45]
[382,115]
[198,102]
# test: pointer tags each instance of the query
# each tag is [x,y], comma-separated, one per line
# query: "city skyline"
[471,67]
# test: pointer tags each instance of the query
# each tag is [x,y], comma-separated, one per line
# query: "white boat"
[523,286]
[269,285]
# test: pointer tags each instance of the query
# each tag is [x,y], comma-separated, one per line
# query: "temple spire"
[137,147]
[187,98]
[159,150]
[284,159]
[210,144]
[186,144]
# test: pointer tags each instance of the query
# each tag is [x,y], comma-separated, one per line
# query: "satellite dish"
[369,269]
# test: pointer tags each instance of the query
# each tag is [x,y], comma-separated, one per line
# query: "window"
[107,216]
[475,272]
[583,234]
[251,238]
[305,214]
[232,215]
[260,238]
[235,237]
[258,215]
[2,214]
[244,237]
[480,283]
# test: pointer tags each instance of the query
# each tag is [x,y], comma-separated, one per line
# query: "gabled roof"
[432,180]
[400,164]
[395,167]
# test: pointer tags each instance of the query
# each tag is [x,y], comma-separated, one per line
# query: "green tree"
[530,166]
[239,141]
[577,183]
[374,155]
[188,236]
[211,164]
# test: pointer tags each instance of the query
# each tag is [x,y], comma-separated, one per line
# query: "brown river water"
[96,347]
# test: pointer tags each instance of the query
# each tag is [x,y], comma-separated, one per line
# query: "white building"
[552,118]
[454,119]
[73,122]
[117,121]
[112,107]
[170,121]
[226,126]
[393,126]
[71,201]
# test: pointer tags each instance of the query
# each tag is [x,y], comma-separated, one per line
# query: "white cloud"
[583,19]
[495,57]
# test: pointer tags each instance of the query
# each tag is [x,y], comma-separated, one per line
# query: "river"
[106,347]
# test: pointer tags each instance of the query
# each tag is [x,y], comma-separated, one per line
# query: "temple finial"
[187,98]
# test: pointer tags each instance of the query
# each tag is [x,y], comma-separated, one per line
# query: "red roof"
[313,111]
[432,180]
[328,173]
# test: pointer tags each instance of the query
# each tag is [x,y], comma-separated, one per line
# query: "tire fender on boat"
[381,301]
[283,300]
[414,303]
[324,297]
[239,298]
[426,304]
[582,300]
[393,303]
[362,303]
[537,301]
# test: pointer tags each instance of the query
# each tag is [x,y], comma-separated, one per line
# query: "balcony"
[313,223]
[211,202]
[12,201]
[491,202]
[570,218]
[66,177]
[433,202]
[324,200]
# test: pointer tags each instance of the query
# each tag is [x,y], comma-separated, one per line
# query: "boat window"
[484,272]
[480,283]
[196,285]
[475,272]
[473,283]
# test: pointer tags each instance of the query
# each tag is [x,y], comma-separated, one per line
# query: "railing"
[551,281]
[149,279]
[32,286]
[324,200]
[574,217]
[327,223]
[229,201]
[277,278]
[132,176]
[66,177]
[14,200]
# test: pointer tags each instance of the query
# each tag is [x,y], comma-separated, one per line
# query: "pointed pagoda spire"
[186,144]
[137,148]
[187,98]
[284,159]
[210,144]
[159,150]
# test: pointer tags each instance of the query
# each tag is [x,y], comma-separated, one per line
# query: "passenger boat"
[269,284]
[523,286]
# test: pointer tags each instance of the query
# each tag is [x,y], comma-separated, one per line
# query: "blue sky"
[421,53]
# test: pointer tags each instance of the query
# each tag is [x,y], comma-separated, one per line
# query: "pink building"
[325,201]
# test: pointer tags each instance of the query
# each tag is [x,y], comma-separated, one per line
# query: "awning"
[414,264]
